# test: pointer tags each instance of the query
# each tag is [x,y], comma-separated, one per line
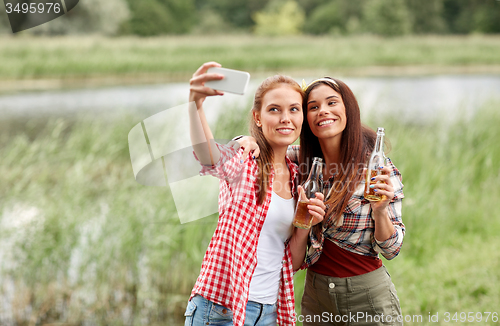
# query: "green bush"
[324,18]
[183,12]
[279,18]
[158,17]
[149,18]
[487,18]
[211,22]
[426,18]
[387,17]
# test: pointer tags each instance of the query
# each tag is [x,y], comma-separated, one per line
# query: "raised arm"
[201,135]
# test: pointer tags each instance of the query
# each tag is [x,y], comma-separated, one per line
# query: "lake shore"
[42,63]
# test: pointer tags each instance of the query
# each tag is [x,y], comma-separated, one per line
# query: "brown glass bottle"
[311,186]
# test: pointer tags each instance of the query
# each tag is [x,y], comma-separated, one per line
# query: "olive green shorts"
[368,299]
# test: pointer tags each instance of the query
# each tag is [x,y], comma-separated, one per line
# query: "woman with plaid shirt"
[246,276]
[345,276]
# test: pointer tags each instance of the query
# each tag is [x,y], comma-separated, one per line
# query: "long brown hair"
[266,155]
[356,144]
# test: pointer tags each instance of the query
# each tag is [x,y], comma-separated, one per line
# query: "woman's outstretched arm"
[201,135]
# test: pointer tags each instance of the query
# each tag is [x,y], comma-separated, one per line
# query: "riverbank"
[53,63]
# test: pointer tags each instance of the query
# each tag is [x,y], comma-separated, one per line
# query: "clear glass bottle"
[311,186]
[377,160]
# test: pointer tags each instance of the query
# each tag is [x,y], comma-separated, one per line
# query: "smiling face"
[280,116]
[326,113]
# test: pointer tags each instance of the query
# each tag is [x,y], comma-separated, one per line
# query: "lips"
[285,131]
[326,122]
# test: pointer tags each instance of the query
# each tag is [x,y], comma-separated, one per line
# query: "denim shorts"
[201,311]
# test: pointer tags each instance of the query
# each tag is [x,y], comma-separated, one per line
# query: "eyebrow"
[329,97]
[277,105]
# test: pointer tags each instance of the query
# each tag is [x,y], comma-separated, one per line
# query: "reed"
[82,243]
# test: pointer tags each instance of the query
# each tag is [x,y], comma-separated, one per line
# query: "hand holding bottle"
[315,206]
[308,195]
[378,186]
[381,185]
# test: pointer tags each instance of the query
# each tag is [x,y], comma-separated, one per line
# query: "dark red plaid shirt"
[231,257]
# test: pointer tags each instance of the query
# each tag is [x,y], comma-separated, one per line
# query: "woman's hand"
[197,90]
[249,145]
[298,242]
[384,188]
[317,207]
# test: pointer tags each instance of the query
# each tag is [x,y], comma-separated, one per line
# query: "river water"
[411,99]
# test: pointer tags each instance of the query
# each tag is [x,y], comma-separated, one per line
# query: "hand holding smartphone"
[234,81]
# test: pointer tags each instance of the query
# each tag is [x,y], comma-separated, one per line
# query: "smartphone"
[234,81]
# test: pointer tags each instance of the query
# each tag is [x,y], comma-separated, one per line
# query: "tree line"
[276,17]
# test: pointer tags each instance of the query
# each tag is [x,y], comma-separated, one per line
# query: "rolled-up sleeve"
[390,248]
[229,167]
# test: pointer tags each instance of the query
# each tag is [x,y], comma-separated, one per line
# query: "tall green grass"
[177,57]
[89,245]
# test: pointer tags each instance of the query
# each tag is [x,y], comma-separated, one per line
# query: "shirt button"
[331,285]
[284,262]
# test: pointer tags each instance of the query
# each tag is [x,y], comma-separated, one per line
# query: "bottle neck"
[379,144]
[315,171]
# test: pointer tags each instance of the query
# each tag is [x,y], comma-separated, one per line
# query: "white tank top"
[277,228]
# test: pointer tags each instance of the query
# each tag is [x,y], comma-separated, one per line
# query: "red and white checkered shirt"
[231,257]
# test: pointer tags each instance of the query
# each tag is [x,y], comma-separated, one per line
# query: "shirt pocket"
[356,209]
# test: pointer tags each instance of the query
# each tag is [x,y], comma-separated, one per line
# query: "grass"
[174,58]
[84,244]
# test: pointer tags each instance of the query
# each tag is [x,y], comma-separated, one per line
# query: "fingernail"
[380,167]
[253,157]
[241,161]
[375,190]
[372,186]
[373,178]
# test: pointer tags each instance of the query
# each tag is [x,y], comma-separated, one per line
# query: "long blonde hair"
[266,155]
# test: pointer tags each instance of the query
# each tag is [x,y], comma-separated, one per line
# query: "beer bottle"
[311,186]
[377,160]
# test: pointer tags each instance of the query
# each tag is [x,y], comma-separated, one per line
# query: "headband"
[325,79]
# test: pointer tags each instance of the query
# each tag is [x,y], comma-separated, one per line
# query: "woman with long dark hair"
[345,275]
